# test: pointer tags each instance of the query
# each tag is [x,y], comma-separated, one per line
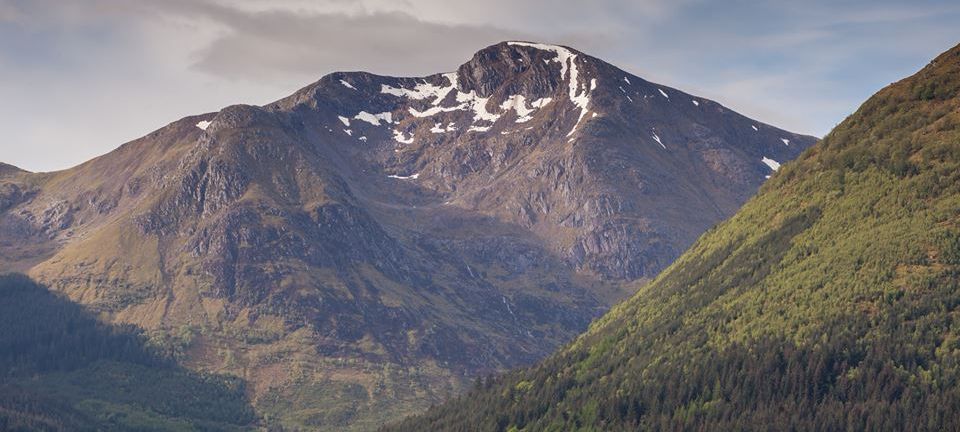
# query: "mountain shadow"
[63,370]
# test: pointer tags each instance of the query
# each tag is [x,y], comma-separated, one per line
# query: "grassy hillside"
[61,369]
[830,301]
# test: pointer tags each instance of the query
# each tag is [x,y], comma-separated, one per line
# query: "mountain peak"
[545,67]
[523,51]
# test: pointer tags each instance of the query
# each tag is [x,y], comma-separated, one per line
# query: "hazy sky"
[80,77]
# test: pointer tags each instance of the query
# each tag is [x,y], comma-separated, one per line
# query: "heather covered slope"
[830,301]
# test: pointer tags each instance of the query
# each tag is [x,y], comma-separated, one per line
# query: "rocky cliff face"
[363,247]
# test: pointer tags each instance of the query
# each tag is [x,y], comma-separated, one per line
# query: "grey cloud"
[275,43]
[393,38]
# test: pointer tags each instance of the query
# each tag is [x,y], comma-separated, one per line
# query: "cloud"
[270,40]
[268,44]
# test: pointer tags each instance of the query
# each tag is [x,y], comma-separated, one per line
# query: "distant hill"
[830,301]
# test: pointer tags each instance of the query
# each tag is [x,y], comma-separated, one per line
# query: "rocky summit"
[366,246]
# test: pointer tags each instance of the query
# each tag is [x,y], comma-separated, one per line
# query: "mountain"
[828,302]
[366,246]
[62,370]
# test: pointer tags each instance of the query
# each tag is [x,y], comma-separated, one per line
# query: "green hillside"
[61,369]
[831,301]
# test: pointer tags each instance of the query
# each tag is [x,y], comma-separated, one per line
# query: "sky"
[80,77]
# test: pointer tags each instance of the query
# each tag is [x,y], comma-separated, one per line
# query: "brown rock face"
[363,247]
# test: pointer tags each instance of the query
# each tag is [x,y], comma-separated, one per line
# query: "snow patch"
[400,138]
[432,111]
[774,165]
[344,120]
[478,105]
[203,124]
[754,127]
[663,93]
[363,138]
[510,310]
[374,119]
[626,81]
[542,102]
[785,141]
[657,139]
[466,102]
[474,128]
[409,177]
[695,103]
[347,85]
[424,90]
[348,132]
[518,103]
[438,128]
[581,100]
